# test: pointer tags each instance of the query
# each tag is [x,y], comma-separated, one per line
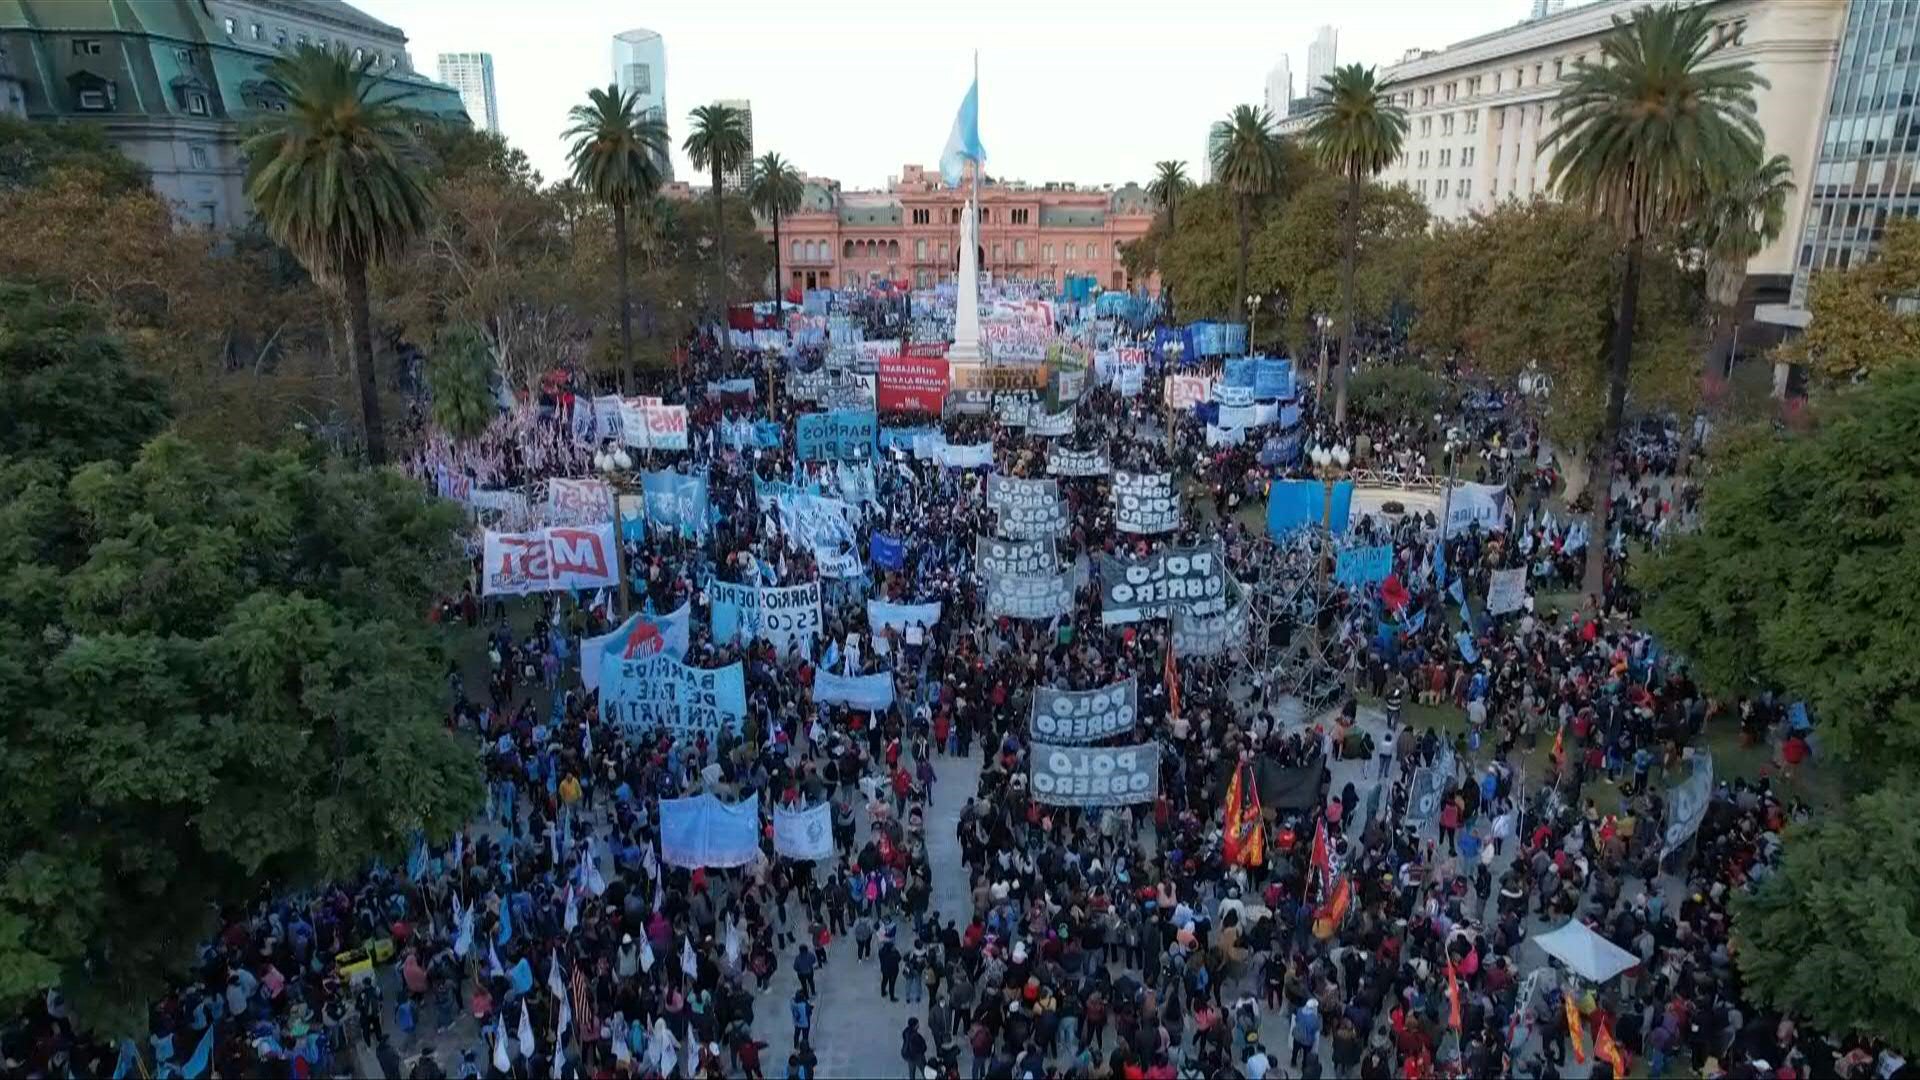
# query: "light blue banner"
[646,694]
[882,615]
[1239,373]
[703,831]
[1357,567]
[675,502]
[869,692]
[1272,379]
[901,438]
[840,435]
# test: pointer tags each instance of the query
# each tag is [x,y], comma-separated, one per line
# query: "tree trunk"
[1349,242]
[1594,581]
[629,378]
[1576,470]
[779,287]
[360,348]
[1241,211]
[1166,289]
[720,249]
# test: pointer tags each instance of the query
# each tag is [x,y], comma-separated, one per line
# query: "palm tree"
[460,374]
[719,143]
[615,157]
[775,189]
[1246,159]
[333,180]
[1356,131]
[1740,219]
[1169,186]
[1643,138]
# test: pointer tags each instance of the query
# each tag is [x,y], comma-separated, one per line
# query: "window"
[1046,252]
[1558,67]
[94,101]
[1446,124]
[1446,158]
[956,216]
[1421,187]
[1426,126]
[227,24]
[302,39]
[86,46]
[1466,157]
[923,217]
[359,55]
[1423,159]
[1020,216]
[1093,251]
[253,31]
[1020,246]
[893,249]
[943,251]
[1494,190]
[1497,149]
[1536,74]
[986,215]
[1069,252]
[197,156]
[846,250]
[920,248]
[1499,119]
[280,38]
[1473,121]
[793,251]
[997,257]
[1440,189]
[197,104]
[1466,190]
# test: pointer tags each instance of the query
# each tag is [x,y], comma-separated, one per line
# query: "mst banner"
[1084,716]
[559,557]
[1018,557]
[1028,508]
[1189,579]
[1064,462]
[1039,596]
[1144,503]
[1085,776]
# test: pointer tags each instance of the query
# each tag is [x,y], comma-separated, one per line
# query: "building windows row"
[871,249]
[923,217]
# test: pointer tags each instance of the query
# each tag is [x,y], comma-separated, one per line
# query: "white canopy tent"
[1586,953]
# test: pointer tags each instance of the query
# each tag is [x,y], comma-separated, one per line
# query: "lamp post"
[1323,323]
[1451,451]
[1330,466]
[1253,314]
[616,465]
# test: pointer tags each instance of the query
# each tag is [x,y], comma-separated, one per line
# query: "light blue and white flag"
[963,143]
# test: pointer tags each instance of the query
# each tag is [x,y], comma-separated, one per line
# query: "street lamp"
[615,466]
[1451,450]
[1330,466]
[1322,322]
[1253,312]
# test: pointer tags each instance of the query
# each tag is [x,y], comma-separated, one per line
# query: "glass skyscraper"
[640,67]
[471,73]
[1869,144]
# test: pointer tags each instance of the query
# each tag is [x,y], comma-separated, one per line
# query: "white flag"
[573,911]
[526,1032]
[687,962]
[646,955]
[501,1061]
[555,985]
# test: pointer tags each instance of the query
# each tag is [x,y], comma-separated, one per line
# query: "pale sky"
[852,89]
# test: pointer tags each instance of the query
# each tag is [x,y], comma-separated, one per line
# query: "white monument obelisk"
[966,305]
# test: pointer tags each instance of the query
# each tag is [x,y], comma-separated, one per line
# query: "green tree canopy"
[1805,577]
[460,377]
[31,151]
[219,677]
[1860,325]
[1832,935]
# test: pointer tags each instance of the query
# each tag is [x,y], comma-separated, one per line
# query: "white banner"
[964,457]
[1145,503]
[872,693]
[1018,557]
[1476,504]
[1086,776]
[1186,391]
[780,616]
[636,639]
[1050,425]
[1084,716]
[1153,587]
[578,502]
[1507,590]
[882,616]
[1039,596]
[1028,508]
[554,558]
[1064,462]
[804,834]
[654,427]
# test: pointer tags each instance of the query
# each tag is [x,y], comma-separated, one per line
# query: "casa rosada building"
[909,233]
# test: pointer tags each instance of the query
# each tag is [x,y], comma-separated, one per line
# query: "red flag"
[1244,842]
[1560,744]
[584,1022]
[1173,683]
[1606,1049]
[1453,996]
[1573,1029]
[1322,860]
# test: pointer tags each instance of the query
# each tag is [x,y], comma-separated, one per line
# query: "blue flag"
[506,922]
[129,1060]
[963,143]
[1458,592]
[202,1058]
[1467,650]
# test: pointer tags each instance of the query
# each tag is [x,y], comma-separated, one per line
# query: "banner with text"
[1064,462]
[1188,579]
[1028,508]
[912,383]
[1088,776]
[1145,503]
[869,692]
[578,502]
[551,559]
[992,555]
[780,616]
[1035,596]
[1084,716]
[1209,635]
[658,692]
[840,435]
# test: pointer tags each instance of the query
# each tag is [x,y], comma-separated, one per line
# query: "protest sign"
[813,522]
[883,616]
[1050,425]
[1087,776]
[1191,579]
[886,552]
[657,692]
[1423,804]
[557,557]
[1687,804]
[1209,635]
[1144,502]
[702,831]
[982,377]
[1233,397]
[1064,462]
[1186,391]
[965,457]
[842,434]
[1027,508]
[872,693]
[1357,567]
[1507,590]
[1084,716]
[1036,596]
[804,834]
[653,426]
[1476,504]
[641,636]
[1272,379]
[676,502]
[912,383]
[780,616]
[992,555]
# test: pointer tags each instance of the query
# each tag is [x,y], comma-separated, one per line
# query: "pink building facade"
[910,233]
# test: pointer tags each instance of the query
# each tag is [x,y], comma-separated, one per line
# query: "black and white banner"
[1084,716]
[1209,635]
[1039,596]
[1064,462]
[1193,580]
[1088,776]
[1019,557]
[1145,503]
[1050,425]
[1028,509]
[1687,804]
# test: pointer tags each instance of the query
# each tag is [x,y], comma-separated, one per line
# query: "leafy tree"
[219,679]
[719,143]
[460,375]
[1831,935]
[67,395]
[1399,393]
[1247,162]
[1803,576]
[775,190]
[1355,133]
[332,179]
[454,152]
[31,151]
[1738,220]
[1640,138]
[614,155]
[1859,324]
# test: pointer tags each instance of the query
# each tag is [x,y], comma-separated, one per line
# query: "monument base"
[965,353]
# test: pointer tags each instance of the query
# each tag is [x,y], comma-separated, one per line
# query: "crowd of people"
[1372,930]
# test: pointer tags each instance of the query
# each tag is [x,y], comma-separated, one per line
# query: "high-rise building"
[471,73]
[1279,89]
[1544,8]
[1322,58]
[640,68]
[737,178]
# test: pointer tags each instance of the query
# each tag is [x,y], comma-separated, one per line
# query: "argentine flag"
[963,144]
